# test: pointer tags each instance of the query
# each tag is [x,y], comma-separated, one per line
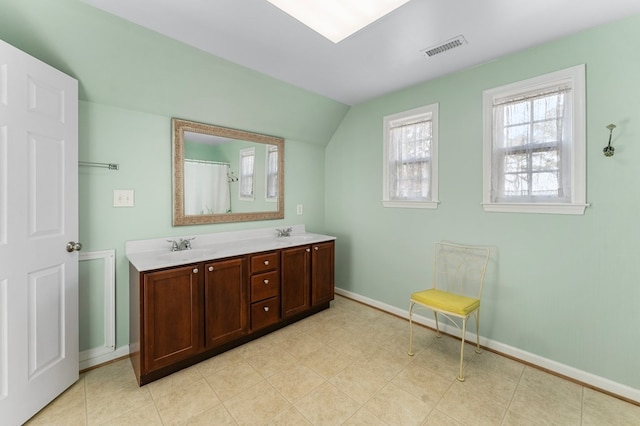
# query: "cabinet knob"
[210,268]
[195,270]
[266,281]
[308,250]
[266,262]
[266,309]
[316,248]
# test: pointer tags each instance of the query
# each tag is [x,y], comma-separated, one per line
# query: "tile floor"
[346,365]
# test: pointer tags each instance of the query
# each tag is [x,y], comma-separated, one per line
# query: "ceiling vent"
[443,47]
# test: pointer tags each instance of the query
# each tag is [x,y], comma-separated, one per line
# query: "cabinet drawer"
[264,286]
[265,262]
[265,313]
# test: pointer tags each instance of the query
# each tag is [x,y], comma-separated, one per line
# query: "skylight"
[337,19]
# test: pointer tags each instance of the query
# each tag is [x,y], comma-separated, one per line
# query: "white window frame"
[271,150]
[575,77]
[245,153]
[430,112]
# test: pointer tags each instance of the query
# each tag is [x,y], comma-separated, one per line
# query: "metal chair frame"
[455,269]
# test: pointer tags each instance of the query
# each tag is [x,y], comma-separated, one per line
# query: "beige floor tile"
[301,345]
[68,409]
[327,362]
[168,385]
[289,417]
[234,379]
[490,365]
[186,402]
[119,394]
[218,362]
[359,382]
[146,415]
[546,399]
[398,407]
[217,415]
[443,356]
[327,406]
[364,417]
[438,418]
[600,409]
[387,363]
[422,383]
[256,405]
[295,382]
[271,360]
[477,402]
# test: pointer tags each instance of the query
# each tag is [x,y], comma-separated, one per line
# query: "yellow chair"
[458,277]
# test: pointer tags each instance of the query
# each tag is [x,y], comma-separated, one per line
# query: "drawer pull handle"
[266,262]
[266,281]
[266,309]
[210,268]
[195,270]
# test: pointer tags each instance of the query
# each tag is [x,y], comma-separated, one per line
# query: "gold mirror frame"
[179,218]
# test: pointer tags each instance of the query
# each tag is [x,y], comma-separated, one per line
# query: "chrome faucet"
[183,244]
[284,232]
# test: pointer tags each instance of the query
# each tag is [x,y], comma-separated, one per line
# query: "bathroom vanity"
[228,289]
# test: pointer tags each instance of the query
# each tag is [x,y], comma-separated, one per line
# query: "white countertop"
[146,255]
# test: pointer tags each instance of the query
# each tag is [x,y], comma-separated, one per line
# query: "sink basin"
[187,255]
[295,239]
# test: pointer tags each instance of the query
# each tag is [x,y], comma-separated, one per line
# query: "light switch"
[123,198]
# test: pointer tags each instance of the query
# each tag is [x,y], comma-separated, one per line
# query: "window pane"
[517,113]
[514,163]
[550,106]
[546,131]
[544,160]
[516,185]
[516,135]
[545,184]
[409,157]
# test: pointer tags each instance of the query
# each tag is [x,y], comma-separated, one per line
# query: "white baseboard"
[584,377]
[94,357]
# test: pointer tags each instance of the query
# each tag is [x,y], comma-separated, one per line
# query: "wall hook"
[609,150]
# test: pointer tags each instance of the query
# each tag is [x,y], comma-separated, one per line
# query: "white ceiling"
[379,59]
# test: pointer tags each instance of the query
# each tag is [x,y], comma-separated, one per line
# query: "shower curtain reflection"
[206,188]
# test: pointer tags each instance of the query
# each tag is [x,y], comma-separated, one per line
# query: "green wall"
[566,288]
[132,82]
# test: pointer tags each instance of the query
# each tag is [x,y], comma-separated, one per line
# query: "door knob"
[73,246]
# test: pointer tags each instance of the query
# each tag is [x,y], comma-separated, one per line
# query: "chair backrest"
[460,269]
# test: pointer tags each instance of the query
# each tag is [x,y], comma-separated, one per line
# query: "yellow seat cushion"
[445,301]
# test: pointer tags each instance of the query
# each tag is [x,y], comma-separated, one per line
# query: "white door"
[38,216]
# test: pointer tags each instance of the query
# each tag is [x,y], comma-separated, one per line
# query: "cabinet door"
[322,273]
[172,316]
[295,280]
[226,301]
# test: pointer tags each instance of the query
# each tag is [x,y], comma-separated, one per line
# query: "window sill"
[542,208]
[411,204]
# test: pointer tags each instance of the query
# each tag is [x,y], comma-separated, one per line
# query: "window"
[410,169]
[247,157]
[534,145]
[272,173]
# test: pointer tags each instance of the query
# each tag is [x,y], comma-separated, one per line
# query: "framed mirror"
[225,175]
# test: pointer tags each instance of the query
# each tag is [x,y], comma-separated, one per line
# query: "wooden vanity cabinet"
[296,280]
[265,289]
[322,273]
[182,315]
[225,301]
[307,277]
[171,316]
